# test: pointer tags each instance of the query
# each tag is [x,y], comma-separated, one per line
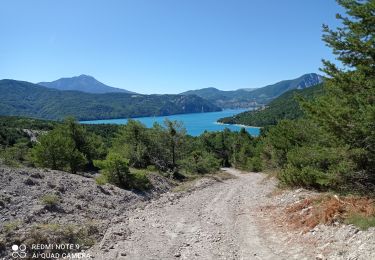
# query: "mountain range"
[87,99]
[20,98]
[83,83]
[245,98]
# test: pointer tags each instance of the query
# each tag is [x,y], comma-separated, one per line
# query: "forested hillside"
[245,98]
[285,106]
[19,98]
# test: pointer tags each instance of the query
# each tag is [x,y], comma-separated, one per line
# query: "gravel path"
[215,222]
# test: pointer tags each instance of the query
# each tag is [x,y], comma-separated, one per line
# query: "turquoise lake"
[195,123]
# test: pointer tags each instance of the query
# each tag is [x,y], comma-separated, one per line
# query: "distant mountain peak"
[211,88]
[84,76]
[84,83]
[309,80]
[208,88]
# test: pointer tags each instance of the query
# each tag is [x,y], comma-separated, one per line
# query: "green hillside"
[283,107]
[245,98]
[19,98]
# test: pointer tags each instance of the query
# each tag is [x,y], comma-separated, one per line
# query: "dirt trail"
[215,222]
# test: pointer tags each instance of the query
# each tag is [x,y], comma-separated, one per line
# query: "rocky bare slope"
[52,206]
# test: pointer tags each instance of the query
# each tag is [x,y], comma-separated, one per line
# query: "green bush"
[152,168]
[101,180]
[255,164]
[16,155]
[201,163]
[115,170]
[139,181]
[287,135]
[9,136]
[317,167]
[50,200]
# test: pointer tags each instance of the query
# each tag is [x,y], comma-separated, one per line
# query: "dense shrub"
[138,180]
[15,155]
[115,170]
[201,163]
[10,136]
[289,134]
[317,167]
[255,164]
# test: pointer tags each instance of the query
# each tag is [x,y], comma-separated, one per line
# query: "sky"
[164,46]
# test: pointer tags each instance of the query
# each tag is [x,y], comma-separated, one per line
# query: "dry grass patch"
[330,209]
[221,176]
[185,186]
[275,192]
[84,234]
[192,180]
[269,175]
[11,226]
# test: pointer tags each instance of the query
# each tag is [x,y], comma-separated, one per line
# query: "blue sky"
[164,46]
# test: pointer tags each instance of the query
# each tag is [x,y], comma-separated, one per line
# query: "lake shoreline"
[239,125]
[195,123]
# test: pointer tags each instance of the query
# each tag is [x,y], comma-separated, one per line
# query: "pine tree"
[348,109]
[354,42]
[68,146]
